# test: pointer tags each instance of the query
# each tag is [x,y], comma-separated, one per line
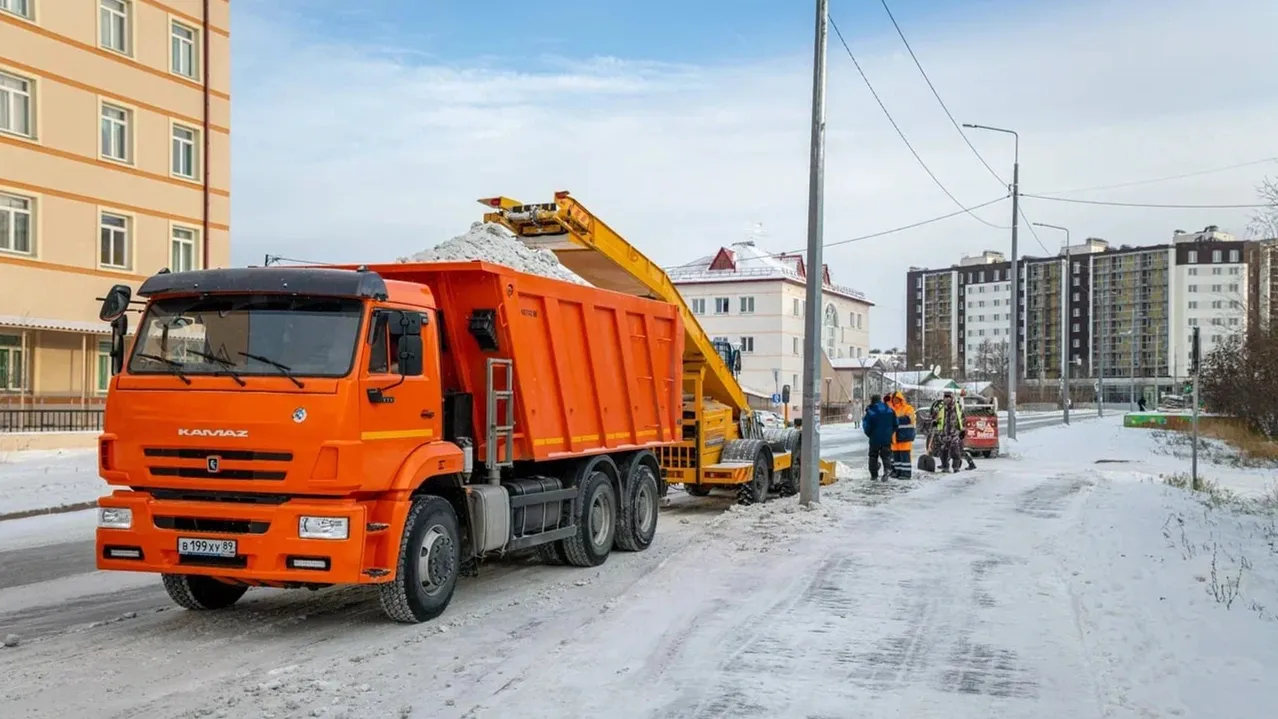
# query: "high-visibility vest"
[940,416]
[905,428]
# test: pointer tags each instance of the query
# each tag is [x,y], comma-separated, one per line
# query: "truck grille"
[206,524]
[211,463]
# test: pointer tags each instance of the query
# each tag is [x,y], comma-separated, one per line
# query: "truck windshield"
[248,335]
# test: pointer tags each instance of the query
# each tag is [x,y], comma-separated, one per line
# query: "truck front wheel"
[429,560]
[596,520]
[193,591]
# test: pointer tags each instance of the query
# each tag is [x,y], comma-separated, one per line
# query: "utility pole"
[1012,374]
[1064,320]
[809,480]
[1131,373]
[1194,350]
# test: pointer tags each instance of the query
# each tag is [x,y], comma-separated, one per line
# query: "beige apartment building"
[114,164]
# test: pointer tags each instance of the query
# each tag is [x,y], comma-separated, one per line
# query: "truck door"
[400,411]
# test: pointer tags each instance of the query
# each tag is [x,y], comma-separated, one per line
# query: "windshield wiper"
[283,368]
[228,364]
[177,366]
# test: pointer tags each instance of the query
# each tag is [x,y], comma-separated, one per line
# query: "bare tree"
[1240,378]
[1264,223]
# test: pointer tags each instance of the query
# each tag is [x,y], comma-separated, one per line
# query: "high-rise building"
[114,163]
[1127,313]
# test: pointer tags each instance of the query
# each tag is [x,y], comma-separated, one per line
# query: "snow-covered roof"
[856,363]
[912,377]
[746,262]
[976,387]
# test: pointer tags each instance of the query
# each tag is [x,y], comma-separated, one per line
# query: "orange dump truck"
[387,425]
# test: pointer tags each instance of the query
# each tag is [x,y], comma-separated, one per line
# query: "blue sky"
[367,134]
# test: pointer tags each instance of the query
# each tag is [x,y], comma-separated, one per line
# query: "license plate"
[207,547]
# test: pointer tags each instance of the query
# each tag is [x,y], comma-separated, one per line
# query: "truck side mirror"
[406,324]
[410,355]
[116,303]
[119,328]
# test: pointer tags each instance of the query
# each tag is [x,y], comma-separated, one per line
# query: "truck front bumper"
[267,547]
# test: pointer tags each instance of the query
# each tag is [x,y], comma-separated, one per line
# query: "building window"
[182,253]
[1075,311]
[1215,288]
[15,104]
[747,305]
[1076,343]
[114,241]
[1193,257]
[699,306]
[1233,288]
[1193,304]
[1233,321]
[1075,282]
[1217,304]
[1216,255]
[1076,296]
[1075,329]
[747,344]
[15,224]
[796,344]
[1193,321]
[796,311]
[721,305]
[794,383]
[1217,321]
[1193,288]
[1078,267]
[1218,270]
[1215,339]
[10,363]
[1193,271]
[1235,305]
[114,24]
[996,332]
[1235,270]
[115,133]
[104,366]
[184,153]
[21,8]
[1234,256]
[996,303]
[183,50]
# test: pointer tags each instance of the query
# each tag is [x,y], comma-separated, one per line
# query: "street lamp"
[1012,374]
[1064,320]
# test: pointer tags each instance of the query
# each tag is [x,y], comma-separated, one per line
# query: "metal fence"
[35,419]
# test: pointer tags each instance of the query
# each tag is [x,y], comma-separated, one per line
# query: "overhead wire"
[901,133]
[935,93]
[1154,205]
[1169,178]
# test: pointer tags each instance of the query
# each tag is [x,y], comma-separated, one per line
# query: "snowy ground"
[1064,581]
[44,479]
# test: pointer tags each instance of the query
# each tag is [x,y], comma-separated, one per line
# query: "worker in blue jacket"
[879,425]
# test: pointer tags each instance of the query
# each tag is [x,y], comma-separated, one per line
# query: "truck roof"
[328,281]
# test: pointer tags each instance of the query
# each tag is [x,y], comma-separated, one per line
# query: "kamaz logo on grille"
[214,464]
[239,433]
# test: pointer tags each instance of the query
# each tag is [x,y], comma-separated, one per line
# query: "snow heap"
[494,243]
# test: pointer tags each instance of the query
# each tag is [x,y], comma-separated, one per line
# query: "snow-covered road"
[1045,584]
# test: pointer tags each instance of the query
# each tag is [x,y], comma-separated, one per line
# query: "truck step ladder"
[501,417]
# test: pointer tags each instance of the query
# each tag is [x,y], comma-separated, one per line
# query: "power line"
[1169,178]
[936,94]
[900,133]
[1143,204]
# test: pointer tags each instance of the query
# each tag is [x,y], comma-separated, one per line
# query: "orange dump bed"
[593,370]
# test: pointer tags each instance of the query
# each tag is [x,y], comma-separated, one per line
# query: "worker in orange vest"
[903,439]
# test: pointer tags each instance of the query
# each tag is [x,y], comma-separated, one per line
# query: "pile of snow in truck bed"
[493,243]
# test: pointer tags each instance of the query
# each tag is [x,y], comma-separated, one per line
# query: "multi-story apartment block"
[1127,311]
[756,301]
[114,163]
[1266,255]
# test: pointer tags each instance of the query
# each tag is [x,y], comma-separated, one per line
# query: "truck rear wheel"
[193,591]
[429,562]
[756,490]
[596,520]
[638,524]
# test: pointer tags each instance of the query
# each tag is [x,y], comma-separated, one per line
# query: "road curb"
[63,509]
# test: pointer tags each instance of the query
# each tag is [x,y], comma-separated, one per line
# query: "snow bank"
[493,243]
[44,480]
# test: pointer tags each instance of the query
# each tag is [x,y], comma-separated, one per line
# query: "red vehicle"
[980,419]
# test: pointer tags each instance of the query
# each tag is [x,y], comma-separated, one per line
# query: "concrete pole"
[810,485]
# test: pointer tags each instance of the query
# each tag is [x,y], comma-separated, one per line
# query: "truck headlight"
[323,527]
[115,518]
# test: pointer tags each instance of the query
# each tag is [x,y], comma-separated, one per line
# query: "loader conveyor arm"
[596,253]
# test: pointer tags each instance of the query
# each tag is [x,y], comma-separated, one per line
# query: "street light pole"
[810,465]
[1064,321]
[1012,373]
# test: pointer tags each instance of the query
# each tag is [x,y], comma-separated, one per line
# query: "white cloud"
[350,153]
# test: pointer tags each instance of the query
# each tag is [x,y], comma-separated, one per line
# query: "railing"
[50,420]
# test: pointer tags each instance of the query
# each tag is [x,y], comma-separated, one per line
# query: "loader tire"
[429,563]
[756,490]
[596,518]
[197,592]
[788,480]
[638,515]
[697,490]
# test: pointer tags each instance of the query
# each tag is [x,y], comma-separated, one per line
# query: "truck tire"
[788,480]
[550,554]
[194,591]
[638,523]
[596,520]
[428,566]
[697,490]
